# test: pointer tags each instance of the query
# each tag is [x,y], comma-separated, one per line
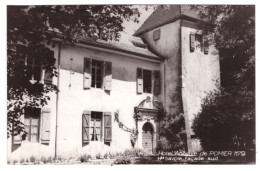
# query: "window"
[144,81]
[96,74]
[34,64]
[147,78]
[96,126]
[93,124]
[34,68]
[198,41]
[156,34]
[32,124]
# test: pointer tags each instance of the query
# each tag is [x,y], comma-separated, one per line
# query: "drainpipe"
[57,101]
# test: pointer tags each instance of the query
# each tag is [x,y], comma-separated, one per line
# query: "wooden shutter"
[139,80]
[157,83]
[45,126]
[86,117]
[192,42]
[107,127]
[206,44]
[87,73]
[47,75]
[108,76]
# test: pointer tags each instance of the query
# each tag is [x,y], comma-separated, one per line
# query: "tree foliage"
[227,118]
[34,27]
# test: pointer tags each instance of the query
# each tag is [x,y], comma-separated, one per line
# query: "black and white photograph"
[130,84]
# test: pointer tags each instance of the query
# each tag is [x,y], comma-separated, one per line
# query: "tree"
[227,117]
[30,26]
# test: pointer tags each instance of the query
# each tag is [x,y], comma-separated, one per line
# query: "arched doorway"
[147,137]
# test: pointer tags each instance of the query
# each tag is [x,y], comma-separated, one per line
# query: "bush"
[173,134]
[84,158]
[44,160]
[15,161]
[226,121]
[22,161]
[98,156]
[32,159]
[123,160]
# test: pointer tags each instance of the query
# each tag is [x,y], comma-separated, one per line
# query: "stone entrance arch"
[147,137]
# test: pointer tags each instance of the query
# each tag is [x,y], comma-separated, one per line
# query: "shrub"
[22,161]
[84,158]
[44,160]
[49,160]
[123,160]
[15,161]
[226,121]
[32,159]
[98,156]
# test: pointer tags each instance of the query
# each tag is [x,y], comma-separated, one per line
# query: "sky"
[131,27]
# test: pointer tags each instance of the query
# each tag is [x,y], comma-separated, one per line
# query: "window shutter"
[107,127]
[192,42]
[45,126]
[157,82]
[108,76]
[139,80]
[86,126]
[206,44]
[47,75]
[87,73]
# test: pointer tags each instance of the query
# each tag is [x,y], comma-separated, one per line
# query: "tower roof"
[164,15]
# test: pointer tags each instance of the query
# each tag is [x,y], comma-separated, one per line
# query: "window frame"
[94,82]
[95,118]
[145,81]
[31,66]
[30,126]
[199,37]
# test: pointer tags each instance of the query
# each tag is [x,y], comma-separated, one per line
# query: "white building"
[99,80]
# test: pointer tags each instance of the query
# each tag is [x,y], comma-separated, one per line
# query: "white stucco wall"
[168,47]
[201,73]
[74,100]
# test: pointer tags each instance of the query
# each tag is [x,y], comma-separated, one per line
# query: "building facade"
[110,92]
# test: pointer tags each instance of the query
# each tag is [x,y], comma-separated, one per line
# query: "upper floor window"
[199,42]
[96,74]
[144,81]
[147,77]
[34,64]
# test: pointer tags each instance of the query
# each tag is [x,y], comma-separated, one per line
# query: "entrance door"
[147,137]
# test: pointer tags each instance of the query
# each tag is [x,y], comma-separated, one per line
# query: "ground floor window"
[96,126]
[32,124]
